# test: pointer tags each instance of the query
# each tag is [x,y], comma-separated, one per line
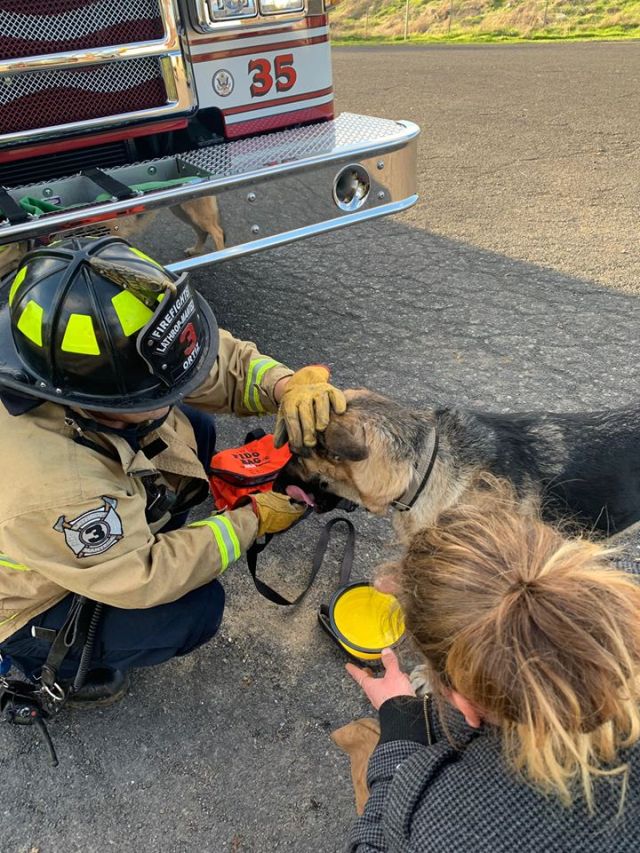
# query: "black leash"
[321,549]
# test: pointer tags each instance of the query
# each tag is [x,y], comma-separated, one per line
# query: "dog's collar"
[421,476]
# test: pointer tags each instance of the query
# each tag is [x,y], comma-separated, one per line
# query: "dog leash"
[346,563]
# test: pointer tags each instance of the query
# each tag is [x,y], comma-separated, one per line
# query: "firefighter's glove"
[305,407]
[275,512]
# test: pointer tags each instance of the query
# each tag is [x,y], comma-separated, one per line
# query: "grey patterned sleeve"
[367,834]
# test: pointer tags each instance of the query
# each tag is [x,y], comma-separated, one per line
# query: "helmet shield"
[98,325]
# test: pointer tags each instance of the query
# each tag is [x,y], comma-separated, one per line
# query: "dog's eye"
[334,457]
[324,485]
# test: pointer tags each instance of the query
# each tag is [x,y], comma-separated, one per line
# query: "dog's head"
[366,455]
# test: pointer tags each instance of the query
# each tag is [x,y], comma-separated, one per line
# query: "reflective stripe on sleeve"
[8,563]
[257,368]
[8,619]
[225,536]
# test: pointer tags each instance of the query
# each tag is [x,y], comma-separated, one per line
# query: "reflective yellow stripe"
[80,336]
[20,277]
[225,536]
[30,322]
[145,257]
[9,619]
[257,369]
[11,564]
[132,313]
[232,536]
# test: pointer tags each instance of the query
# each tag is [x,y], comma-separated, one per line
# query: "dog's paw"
[419,678]
[194,251]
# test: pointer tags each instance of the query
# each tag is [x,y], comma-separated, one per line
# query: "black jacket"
[453,799]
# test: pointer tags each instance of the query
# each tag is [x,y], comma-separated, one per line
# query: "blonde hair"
[537,630]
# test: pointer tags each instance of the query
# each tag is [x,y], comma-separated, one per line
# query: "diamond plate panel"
[247,155]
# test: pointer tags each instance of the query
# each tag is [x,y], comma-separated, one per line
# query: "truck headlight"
[222,10]
[278,7]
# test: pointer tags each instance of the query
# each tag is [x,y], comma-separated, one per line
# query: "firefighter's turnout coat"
[73,519]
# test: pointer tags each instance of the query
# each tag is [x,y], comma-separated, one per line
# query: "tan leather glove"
[275,512]
[305,407]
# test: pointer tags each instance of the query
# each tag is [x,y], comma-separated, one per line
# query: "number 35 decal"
[263,74]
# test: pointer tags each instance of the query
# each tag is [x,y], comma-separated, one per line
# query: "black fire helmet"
[97,324]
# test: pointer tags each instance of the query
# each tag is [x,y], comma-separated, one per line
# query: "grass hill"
[485,20]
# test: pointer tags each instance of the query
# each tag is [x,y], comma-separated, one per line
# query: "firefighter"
[110,371]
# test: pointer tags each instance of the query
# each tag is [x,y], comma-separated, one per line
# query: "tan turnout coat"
[73,520]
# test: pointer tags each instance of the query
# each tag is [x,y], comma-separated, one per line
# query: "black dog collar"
[421,476]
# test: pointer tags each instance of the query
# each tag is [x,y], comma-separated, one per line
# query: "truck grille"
[41,99]
[65,163]
[56,26]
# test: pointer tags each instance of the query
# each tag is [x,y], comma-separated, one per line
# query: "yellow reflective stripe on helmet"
[20,277]
[225,536]
[8,563]
[145,257]
[132,313]
[257,369]
[30,322]
[80,336]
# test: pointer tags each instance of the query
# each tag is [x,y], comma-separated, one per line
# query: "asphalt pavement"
[529,150]
[227,750]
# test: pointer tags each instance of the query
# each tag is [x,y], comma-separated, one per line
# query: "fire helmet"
[96,324]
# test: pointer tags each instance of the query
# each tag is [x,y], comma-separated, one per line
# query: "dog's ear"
[345,442]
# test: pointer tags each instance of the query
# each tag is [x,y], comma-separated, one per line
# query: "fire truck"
[113,109]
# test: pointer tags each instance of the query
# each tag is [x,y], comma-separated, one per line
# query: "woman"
[530,739]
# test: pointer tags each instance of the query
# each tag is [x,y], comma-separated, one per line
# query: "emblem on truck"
[222,83]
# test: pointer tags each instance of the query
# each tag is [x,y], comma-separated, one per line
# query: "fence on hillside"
[541,18]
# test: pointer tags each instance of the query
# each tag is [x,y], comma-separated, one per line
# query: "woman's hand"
[393,683]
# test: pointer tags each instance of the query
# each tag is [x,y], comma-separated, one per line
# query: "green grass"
[484,21]
[487,38]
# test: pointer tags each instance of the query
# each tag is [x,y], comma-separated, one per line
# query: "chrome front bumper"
[270,190]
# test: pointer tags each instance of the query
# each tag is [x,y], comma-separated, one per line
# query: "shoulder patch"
[93,532]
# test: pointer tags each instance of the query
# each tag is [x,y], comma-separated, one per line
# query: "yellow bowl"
[365,621]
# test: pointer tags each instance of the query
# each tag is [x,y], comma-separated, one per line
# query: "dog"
[582,468]
[202,214]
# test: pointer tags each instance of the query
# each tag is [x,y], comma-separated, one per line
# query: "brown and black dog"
[583,468]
